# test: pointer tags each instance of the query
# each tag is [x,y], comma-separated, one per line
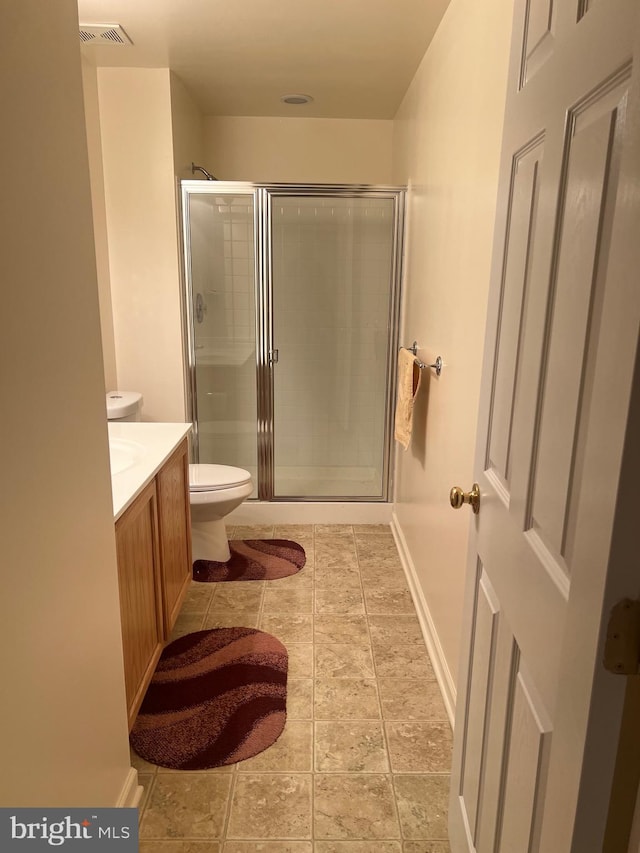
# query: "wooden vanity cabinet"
[141,612]
[174,518]
[153,545]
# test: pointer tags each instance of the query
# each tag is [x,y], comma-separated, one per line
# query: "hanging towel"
[409,375]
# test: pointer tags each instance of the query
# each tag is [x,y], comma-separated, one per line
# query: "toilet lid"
[122,403]
[208,478]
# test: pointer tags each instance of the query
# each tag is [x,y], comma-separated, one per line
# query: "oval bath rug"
[216,697]
[253,560]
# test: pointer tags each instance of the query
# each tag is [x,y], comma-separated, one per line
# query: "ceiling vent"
[103,34]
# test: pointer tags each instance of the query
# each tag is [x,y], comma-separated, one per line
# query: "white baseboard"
[131,793]
[307,512]
[431,639]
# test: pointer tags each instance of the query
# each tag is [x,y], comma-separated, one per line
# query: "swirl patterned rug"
[253,560]
[216,697]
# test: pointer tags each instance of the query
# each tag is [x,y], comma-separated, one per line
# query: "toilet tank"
[124,405]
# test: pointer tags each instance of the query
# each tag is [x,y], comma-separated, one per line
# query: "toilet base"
[209,541]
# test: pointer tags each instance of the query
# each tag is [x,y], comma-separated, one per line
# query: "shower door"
[332,263]
[220,266]
[291,314]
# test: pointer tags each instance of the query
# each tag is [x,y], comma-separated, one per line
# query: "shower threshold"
[327,482]
[311,512]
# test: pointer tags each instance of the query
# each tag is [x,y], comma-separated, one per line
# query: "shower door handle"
[201,307]
[274,356]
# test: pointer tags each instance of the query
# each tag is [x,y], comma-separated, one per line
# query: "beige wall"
[447,146]
[137,147]
[305,150]
[63,738]
[94,143]
[187,128]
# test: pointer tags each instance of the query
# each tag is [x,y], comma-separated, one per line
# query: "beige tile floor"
[362,765]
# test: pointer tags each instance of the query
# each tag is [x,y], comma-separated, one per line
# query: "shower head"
[207,175]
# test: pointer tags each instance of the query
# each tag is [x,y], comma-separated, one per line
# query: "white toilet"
[214,491]
[124,405]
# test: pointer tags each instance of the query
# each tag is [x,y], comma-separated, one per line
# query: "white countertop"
[138,452]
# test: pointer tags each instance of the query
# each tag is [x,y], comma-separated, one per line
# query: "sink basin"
[123,454]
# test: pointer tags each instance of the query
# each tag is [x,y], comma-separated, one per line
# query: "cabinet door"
[175,533]
[140,601]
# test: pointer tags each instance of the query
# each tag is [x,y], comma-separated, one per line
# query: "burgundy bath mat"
[253,560]
[216,697]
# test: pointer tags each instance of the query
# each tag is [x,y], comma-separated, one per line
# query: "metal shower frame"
[263,195]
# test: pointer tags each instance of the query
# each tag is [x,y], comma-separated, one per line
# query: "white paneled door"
[553,546]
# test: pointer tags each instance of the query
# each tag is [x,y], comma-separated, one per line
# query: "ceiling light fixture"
[296,99]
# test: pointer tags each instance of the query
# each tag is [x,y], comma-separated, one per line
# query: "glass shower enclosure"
[291,310]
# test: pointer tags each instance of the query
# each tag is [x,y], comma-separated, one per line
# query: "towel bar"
[437,365]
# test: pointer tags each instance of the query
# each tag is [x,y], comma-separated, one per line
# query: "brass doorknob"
[458,497]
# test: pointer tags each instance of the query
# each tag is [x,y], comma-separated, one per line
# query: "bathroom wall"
[187,129]
[138,159]
[304,150]
[94,143]
[446,147]
[63,738]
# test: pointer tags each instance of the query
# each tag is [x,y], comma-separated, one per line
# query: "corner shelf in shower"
[213,351]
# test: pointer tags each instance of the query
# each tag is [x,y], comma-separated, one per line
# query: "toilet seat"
[213,478]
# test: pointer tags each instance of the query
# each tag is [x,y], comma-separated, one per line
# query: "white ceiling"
[237,57]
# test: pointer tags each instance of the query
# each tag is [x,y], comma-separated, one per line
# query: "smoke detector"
[296,99]
[103,34]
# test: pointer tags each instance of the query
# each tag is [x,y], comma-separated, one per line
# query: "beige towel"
[409,375]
